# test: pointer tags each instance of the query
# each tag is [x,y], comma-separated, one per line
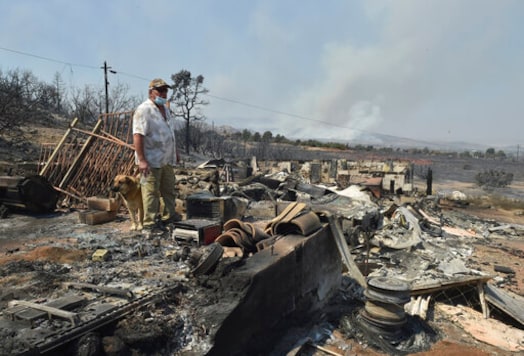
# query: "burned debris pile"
[269,258]
[33,193]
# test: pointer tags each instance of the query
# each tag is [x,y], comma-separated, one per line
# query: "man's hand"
[143,167]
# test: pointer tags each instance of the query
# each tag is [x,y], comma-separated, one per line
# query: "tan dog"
[129,189]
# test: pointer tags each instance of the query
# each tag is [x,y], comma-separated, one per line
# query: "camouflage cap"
[158,83]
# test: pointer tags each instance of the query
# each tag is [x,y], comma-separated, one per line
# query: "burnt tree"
[186,97]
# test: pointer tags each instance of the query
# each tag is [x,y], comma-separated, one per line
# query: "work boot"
[172,220]
[154,230]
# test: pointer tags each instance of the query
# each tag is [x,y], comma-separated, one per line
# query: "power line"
[69,64]
[213,96]
[133,76]
[47,58]
[280,112]
[262,108]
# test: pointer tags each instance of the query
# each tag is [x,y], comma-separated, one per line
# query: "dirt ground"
[496,251]
[52,240]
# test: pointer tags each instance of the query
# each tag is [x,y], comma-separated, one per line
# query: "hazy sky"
[436,70]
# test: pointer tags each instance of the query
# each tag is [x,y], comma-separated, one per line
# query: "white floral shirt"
[159,134]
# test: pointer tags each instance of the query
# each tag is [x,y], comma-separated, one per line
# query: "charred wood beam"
[80,155]
[108,137]
[59,147]
[72,317]
[79,198]
[126,293]
[343,249]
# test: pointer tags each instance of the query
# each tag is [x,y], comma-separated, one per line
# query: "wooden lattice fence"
[84,163]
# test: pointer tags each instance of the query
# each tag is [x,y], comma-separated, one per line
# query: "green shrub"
[494,178]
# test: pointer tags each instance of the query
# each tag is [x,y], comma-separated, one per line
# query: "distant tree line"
[24,100]
[490,153]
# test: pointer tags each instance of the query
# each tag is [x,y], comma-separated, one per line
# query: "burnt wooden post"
[80,155]
[429,180]
[43,172]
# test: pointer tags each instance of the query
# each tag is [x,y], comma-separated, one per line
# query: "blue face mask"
[160,101]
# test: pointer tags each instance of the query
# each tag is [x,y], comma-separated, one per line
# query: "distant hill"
[380,140]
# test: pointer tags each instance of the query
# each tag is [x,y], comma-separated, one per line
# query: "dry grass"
[496,201]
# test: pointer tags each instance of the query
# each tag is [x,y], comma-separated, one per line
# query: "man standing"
[156,156]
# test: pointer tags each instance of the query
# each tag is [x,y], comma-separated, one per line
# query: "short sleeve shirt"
[159,134]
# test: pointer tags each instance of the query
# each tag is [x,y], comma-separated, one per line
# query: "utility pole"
[106,68]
